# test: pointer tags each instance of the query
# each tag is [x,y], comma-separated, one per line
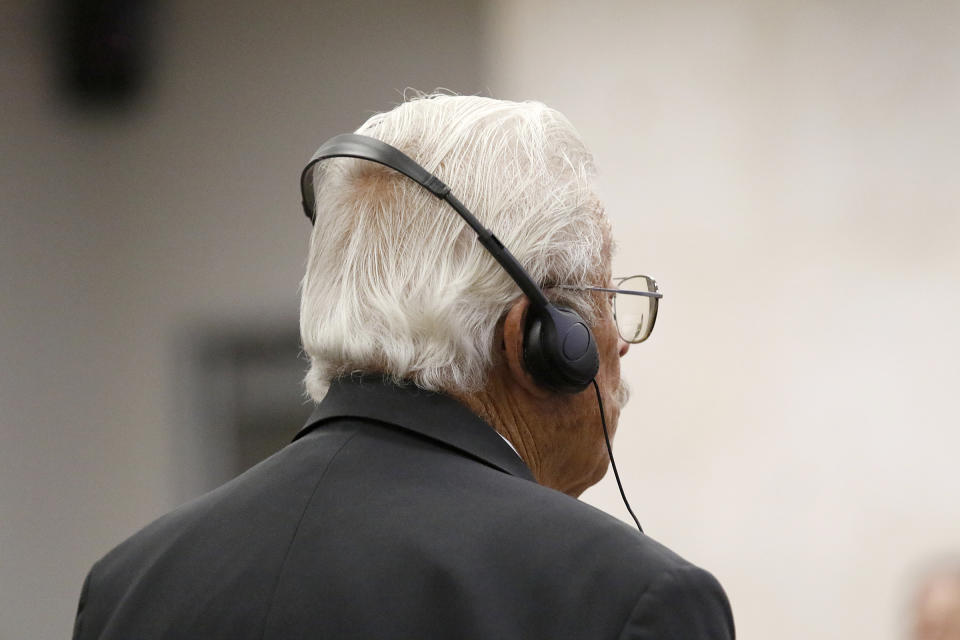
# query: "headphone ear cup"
[559,349]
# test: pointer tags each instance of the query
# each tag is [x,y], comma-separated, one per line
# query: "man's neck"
[506,414]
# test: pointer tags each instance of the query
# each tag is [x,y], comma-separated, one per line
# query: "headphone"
[559,350]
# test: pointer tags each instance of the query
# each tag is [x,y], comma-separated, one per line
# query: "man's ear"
[513,334]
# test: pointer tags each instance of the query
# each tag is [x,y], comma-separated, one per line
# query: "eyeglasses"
[635,311]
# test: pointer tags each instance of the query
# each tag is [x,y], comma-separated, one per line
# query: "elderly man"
[464,391]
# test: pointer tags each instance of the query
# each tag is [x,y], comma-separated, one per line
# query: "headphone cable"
[616,474]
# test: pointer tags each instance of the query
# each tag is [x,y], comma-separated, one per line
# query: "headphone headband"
[351,145]
[559,347]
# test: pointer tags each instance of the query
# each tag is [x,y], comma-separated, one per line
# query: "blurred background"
[787,172]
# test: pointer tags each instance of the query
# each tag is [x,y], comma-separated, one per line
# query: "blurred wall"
[788,172]
[785,170]
[122,230]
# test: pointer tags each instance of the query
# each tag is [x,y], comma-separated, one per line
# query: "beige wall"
[788,172]
[120,233]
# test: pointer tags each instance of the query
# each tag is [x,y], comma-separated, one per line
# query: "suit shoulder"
[560,523]
[658,593]
[556,511]
[685,603]
[672,597]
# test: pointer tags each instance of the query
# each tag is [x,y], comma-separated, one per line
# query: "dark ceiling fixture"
[104,49]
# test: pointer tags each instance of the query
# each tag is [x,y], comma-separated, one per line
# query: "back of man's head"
[396,282]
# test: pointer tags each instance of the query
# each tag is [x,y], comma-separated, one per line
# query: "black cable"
[616,474]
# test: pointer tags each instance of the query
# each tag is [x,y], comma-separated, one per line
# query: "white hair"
[396,282]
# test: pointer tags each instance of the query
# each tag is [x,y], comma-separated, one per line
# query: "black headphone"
[559,349]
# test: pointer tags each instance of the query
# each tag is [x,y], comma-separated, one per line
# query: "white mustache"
[622,394]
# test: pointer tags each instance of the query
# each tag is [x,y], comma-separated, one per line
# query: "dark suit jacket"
[395,513]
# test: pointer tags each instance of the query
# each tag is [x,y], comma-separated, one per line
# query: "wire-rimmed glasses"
[635,303]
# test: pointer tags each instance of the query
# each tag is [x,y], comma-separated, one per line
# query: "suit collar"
[432,415]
